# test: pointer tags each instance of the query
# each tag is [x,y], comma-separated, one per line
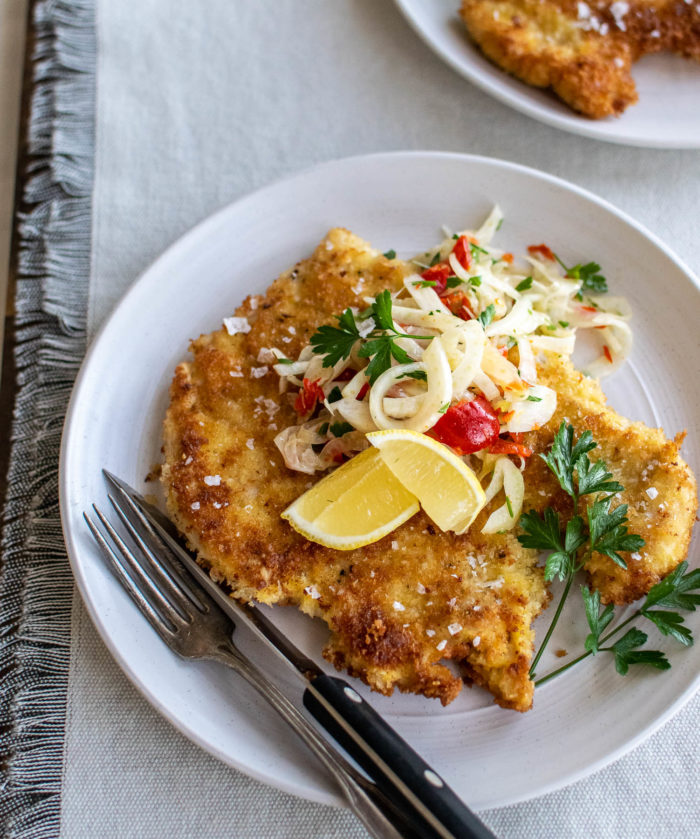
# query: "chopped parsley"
[486,316]
[284,361]
[475,281]
[339,428]
[420,375]
[591,280]
[524,285]
[443,408]
[335,394]
[453,282]
[390,254]
[436,258]
[534,399]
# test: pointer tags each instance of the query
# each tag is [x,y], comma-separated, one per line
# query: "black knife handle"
[401,774]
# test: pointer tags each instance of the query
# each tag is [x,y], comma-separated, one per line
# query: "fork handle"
[401,774]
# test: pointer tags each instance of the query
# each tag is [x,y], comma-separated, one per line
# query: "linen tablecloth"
[148,116]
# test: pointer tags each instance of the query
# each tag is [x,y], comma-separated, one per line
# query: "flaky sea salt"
[399,607]
[652,492]
[313,592]
[212,480]
[454,628]
[441,646]
[236,325]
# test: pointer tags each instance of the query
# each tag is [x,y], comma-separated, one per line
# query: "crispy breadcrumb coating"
[396,608]
[583,51]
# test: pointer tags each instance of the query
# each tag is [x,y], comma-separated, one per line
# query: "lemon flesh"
[357,504]
[448,490]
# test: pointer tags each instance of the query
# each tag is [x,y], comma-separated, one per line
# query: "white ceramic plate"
[490,756]
[667,115]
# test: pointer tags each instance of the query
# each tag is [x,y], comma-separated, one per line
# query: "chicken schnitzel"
[396,608]
[583,51]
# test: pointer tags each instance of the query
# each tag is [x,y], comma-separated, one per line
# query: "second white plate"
[490,756]
[667,115]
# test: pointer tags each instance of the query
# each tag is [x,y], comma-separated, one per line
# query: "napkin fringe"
[36,584]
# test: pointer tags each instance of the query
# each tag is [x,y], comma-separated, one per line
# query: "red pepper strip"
[543,249]
[606,352]
[589,309]
[458,304]
[363,390]
[438,274]
[346,375]
[309,395]
[462,252]
[508,257]
[502,446]
[468,426]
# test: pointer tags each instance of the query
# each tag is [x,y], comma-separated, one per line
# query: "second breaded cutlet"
[399,607]
[583,51]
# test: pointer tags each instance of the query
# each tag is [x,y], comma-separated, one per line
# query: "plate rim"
[320,795]
[564,122]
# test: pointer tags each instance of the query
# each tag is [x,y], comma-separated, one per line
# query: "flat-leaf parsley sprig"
[379,345]
[570,546]
[678,590]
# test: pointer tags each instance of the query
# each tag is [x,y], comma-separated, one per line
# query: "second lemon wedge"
[448,490]
[357,504]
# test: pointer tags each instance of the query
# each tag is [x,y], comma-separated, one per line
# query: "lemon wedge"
[448,490]
[356,505]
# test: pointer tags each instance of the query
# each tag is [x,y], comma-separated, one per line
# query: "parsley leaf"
[421,375]
[559,564]
[524,285]
[425,283]
[336,342]
[436,258]
[674,590]
[542,533]
[608,530]
[475,281]
[597,620]
[443,408]
[380,351]
[595,478]
[340,428]
[534,399]
[453,281]
[486,316]
[390,254]
[562,456]
[670,623]
[626,653]
[591,280]
[334,395]
[381,310]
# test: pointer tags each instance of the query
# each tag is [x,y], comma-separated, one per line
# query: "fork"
[189,621]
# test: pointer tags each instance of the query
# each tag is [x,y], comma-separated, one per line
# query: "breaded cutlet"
[397,607]
[583,51]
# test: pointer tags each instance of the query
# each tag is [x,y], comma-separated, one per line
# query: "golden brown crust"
[582,51]
[490,587]
[471,598]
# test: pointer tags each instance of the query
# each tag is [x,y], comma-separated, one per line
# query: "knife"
[397,770]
